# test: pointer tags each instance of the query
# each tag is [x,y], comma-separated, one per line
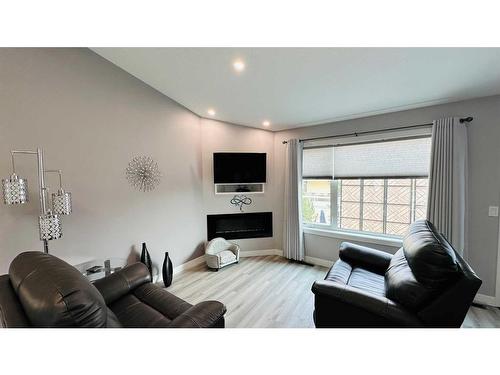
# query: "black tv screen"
[239,168]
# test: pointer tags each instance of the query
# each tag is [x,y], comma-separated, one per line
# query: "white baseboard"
[189,264]
[158,278]
[483,299]
[259,253]
[319,261]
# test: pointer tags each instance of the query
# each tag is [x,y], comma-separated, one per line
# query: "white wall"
[222,137]
[484,174]
[91,118]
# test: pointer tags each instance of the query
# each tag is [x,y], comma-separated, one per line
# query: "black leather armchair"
[425,284]
[44,291]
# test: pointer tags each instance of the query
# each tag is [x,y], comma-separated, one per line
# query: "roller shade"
[317,163]
[399,158]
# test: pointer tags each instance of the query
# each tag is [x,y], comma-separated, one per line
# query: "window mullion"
[413,199]
[361,189]
[384,218]
[334,211]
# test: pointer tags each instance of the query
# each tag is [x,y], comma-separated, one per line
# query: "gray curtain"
[293,241]
[447,203]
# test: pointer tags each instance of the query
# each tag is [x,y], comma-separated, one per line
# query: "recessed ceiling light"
[239,65]
[211,112]
[266,123]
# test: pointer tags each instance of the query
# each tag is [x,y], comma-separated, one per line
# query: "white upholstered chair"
[220,253]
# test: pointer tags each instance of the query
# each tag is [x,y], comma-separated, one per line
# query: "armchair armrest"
[236,250]
[203,315]
[122,282]
[380,308]
[212,260]
[365,257]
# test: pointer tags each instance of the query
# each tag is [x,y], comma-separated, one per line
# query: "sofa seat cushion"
[342,273]
[226,256]
[131,312]
[401,285]
[148,306]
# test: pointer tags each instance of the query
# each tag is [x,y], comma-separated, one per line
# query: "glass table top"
[98,268]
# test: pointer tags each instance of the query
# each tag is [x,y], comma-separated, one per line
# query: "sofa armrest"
[205,314]
[122,282]
[11,311]
[381,308]
[365,257]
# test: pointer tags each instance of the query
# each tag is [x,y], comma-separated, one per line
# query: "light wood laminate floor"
[272,292]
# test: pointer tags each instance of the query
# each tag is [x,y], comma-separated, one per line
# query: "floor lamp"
[15,191]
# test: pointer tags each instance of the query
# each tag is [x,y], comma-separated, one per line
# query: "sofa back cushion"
[432,260]
[55,294]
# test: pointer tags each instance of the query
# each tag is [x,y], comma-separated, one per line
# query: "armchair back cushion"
[432,261]
[55,294]
[402,286]
[218,245]
[422,269]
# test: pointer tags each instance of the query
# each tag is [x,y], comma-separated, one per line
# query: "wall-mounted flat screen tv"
[239,168]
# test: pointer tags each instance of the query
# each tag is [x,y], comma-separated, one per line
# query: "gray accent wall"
[91,118]
[484,174]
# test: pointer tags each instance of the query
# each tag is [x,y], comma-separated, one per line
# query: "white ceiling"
[294,87]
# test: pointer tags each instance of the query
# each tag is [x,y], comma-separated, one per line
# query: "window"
[383,206]
[374,187]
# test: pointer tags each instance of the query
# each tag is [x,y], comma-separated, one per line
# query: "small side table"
[98,268]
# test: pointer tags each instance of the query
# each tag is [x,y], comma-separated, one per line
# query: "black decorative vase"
[167,270]
[146,259]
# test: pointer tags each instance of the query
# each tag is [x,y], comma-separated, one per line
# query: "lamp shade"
[50,227]
[15,190]
[61,203]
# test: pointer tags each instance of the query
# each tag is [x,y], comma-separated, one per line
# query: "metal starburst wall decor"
[143,173]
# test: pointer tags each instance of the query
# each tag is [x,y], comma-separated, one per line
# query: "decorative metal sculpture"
[240,200]
[143,173]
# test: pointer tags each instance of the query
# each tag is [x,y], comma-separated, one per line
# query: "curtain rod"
[355,134]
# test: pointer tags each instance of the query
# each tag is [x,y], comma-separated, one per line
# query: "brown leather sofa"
[41,290]
[426,283]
